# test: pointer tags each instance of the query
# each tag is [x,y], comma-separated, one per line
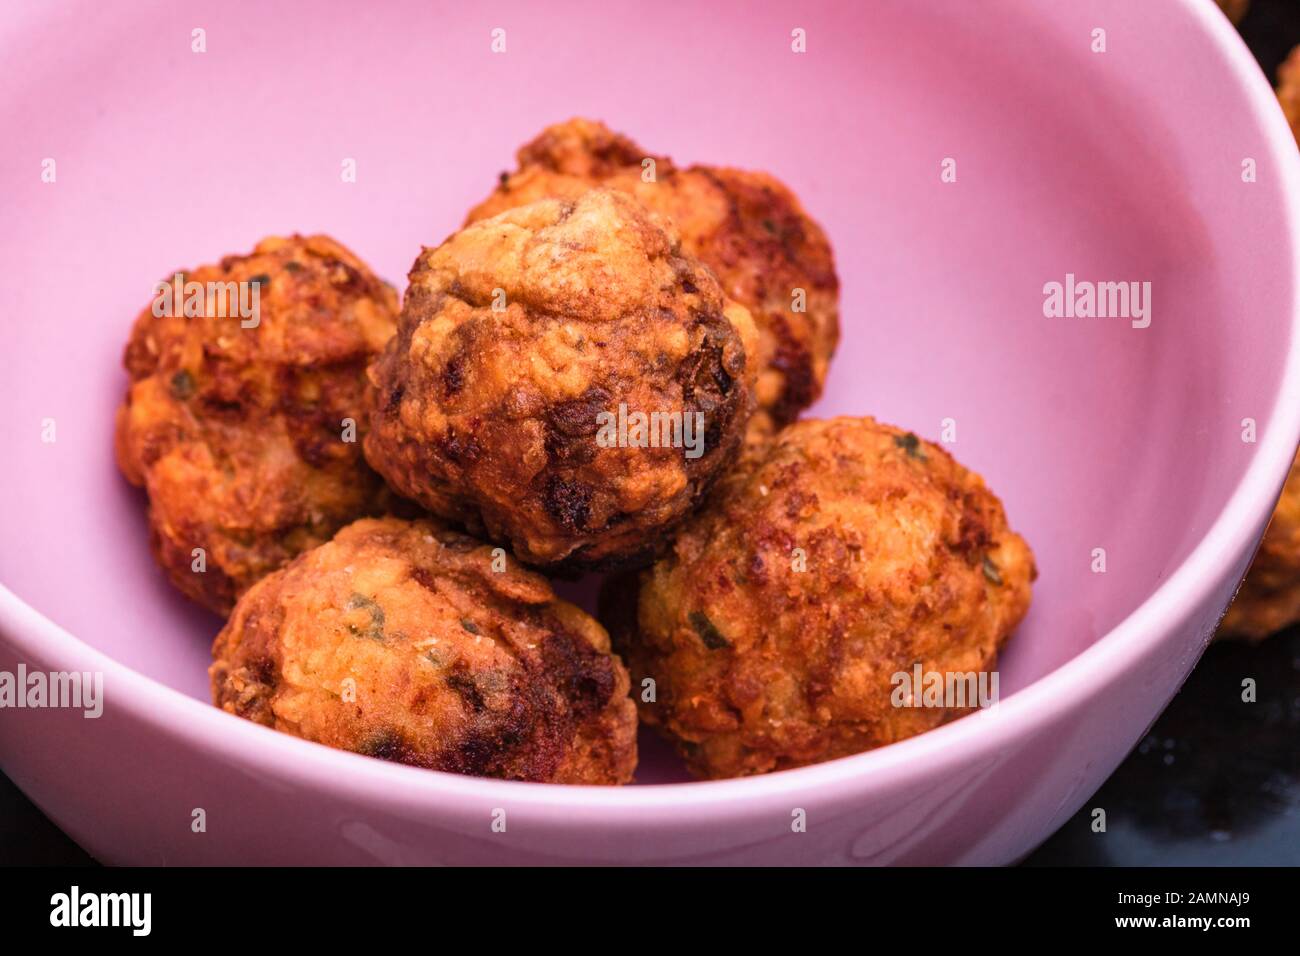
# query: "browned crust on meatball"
[237,434]
[517,334]
[1269,598]
[1234,9]
[582,148]
[397,639]
[906,557]
[747,227]
[1288,90]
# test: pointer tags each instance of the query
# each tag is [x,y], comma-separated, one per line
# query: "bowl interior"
[1123,166]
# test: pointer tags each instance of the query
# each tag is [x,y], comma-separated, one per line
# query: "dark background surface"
[1215,782]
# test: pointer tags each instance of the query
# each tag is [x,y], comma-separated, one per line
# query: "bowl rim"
[1161,613]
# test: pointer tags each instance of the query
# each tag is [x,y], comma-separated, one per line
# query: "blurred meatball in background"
[747,227]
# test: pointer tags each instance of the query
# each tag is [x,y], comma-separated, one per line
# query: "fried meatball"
[242,429]
[523,338]
[745,226]
[845,554]
[398,639]
[1269,598]
[1288,90]
[1234,9]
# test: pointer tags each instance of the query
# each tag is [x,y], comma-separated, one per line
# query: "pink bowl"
[1122,165]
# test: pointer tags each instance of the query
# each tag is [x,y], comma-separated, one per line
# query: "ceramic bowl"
[1161,159]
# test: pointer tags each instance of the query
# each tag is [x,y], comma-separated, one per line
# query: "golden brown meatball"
[745,226]
[242,428]
[1269,598]
[1235,9]
[526,343]
[848,553]
[399,640]
[1288,90]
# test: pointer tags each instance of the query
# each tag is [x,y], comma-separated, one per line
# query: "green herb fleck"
[708,631]
[182,385]
[291,266]
[260,279]
[991,571]
[469,625]
[770,226]
[910,444]
[375,631]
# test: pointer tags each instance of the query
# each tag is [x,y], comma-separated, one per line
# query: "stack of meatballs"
[375,496]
